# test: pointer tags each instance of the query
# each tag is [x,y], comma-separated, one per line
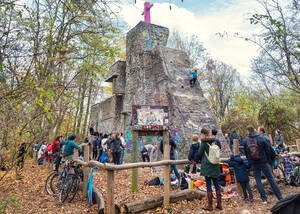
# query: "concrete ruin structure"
[153,74]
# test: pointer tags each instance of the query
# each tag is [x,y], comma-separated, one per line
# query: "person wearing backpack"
[193,153]
[56,151]
[257,152]
[209,156]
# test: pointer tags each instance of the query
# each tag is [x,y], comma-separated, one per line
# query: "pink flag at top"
[146,13]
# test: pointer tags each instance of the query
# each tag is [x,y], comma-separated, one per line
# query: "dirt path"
[30,192]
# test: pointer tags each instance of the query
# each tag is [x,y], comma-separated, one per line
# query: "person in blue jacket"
[69,148]
[194,78]
[240,170]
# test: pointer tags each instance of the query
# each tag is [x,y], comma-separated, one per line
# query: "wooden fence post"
[271,139]
[166,169]
[110,191]
[134,153]
[298,144]
[236,152]
[86,152]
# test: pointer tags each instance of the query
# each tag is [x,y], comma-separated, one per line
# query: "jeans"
[265,168]
[208,184]
[122,156]
[173,167]
[246,187]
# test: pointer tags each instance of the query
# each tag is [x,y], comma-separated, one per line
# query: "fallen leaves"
[30,191]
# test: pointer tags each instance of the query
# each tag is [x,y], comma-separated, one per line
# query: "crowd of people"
[204,149]
[260,158]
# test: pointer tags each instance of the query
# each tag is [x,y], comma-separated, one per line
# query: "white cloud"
[231,18]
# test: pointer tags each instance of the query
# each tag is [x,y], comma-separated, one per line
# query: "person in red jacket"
[56,151]
[48,152]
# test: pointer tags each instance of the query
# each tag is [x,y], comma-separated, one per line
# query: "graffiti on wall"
[128,139]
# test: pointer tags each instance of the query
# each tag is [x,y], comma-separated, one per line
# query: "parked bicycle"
[289,167]
[66,183]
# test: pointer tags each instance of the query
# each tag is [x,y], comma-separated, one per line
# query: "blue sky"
[197,6]
[205,18]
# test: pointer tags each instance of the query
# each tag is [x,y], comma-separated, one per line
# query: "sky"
[205,18]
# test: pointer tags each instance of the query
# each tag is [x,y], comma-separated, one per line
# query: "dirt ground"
[31,193]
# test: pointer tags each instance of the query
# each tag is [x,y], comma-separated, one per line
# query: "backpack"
[154,182]
[183,183]
[253,147]
[213,155]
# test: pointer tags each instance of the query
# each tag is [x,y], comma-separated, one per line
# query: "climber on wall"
[194,78]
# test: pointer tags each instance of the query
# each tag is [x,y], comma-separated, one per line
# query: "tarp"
[90,188]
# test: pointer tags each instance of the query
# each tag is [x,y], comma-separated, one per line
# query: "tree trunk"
[77,109]
[81,108]
[150,203]
[87,108]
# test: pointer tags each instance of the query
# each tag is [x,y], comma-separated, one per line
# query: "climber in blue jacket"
[194,78]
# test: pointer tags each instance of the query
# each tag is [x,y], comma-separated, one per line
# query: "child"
[193,153]
[41,153]
[240,169]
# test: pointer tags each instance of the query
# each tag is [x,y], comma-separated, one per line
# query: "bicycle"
[296,177]
[65,184]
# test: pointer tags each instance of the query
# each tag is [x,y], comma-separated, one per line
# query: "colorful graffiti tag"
[128,140]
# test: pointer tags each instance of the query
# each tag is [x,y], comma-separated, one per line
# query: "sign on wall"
[150,117]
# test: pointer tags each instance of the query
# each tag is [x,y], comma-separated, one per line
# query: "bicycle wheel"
[283,175]
[65,187]
[48,187]
[75,180]
[55,183]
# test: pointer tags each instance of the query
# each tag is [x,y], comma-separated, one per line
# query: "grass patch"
[11,200]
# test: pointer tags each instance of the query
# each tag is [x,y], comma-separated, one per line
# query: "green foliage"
[278,112]
[11,200]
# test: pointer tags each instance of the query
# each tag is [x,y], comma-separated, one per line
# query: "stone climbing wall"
[157,75]
[140,57]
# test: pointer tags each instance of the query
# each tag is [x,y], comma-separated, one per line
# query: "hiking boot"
[219,200]
[209,201]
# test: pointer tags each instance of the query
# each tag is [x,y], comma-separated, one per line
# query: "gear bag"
[213,155]
[253,147]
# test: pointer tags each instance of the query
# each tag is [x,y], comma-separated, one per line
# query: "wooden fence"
[166,163]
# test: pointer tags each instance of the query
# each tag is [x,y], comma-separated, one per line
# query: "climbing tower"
[154,75]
